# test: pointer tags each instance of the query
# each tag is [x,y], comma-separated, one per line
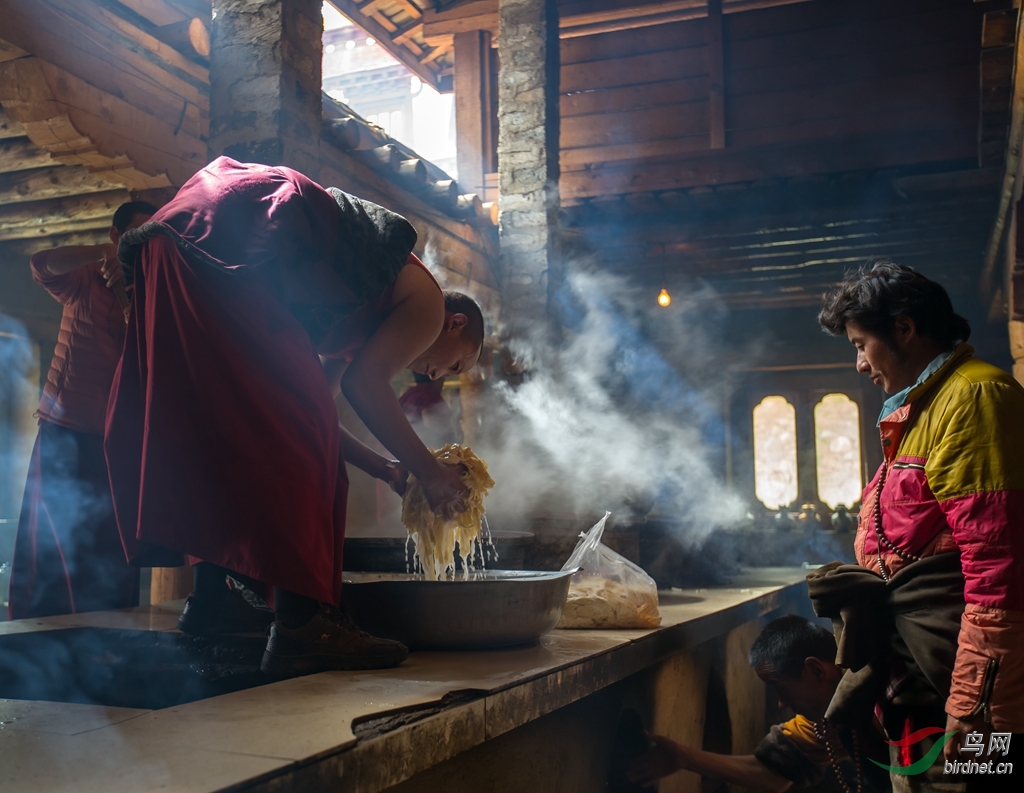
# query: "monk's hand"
[110,267]
[664,757]
[397,476]
[963,727]
[446,493]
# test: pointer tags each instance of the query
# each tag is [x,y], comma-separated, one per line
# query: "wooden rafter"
[385,31]
[404,35]
[440,48]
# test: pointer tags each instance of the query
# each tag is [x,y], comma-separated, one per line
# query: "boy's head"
[798,658]
[458,347]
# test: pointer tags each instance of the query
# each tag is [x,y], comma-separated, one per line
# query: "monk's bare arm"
[412,326]
[362,456]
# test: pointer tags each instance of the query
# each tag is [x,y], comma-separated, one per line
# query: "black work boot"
[231,609]
[328,641]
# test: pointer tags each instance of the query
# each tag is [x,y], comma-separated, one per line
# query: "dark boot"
[220,605]
[327,641]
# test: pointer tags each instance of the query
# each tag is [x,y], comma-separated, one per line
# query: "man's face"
[810,693]
[450,354]
[880,359]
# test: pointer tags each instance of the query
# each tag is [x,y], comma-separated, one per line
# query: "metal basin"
[494,608]
[390,555]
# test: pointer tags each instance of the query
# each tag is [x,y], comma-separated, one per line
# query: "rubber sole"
[197,628]
[298,665]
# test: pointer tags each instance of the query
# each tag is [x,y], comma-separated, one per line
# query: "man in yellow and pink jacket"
[950,491]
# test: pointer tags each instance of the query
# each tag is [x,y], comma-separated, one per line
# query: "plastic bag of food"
[607,590]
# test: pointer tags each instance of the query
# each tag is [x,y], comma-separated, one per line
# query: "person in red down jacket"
[68,555]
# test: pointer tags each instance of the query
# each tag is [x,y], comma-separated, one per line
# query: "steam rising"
[625,411]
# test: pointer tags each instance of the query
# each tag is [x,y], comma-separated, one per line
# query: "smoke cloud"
[626,411]
[17,389]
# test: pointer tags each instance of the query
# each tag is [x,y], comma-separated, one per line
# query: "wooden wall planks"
[819,78]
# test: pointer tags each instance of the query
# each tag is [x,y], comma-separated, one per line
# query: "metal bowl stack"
[489,609]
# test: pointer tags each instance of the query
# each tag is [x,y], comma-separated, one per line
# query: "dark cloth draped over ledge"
[898,641]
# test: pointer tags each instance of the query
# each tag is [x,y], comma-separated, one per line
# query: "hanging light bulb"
[664,298]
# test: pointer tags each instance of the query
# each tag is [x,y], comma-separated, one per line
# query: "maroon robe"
[222,436]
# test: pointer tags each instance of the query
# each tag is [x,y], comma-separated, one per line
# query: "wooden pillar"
[1017,348]
[680,687]
[470,387]
[265,75]
[744,690]
[528,120]
[473,107]
[170,583]
[1015,285]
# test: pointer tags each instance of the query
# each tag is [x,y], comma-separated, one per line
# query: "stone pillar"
[528,122]
[265,74]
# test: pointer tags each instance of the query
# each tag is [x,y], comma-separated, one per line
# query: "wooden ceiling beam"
[80,124]
[60,181]
[587,17]
[60,215]
[159,12]
[110,54]
[9,128]
[19,154]
[8,52]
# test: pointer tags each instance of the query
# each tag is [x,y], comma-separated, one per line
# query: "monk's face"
[451,353]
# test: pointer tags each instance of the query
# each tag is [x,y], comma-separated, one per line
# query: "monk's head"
[458,347]
[798,658]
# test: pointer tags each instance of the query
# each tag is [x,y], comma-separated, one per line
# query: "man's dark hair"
[459,303]
[880,291]
[124,213]
[785,643]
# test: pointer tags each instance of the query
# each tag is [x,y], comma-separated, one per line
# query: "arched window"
[837,448]
[775,471]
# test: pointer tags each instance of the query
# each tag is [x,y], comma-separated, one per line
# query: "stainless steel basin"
[494,608]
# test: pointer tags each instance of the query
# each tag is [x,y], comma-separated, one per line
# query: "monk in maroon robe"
[222,437]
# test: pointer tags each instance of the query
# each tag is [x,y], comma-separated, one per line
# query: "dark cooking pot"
[389,554]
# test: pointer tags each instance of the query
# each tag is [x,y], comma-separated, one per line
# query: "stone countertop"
[302,733]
